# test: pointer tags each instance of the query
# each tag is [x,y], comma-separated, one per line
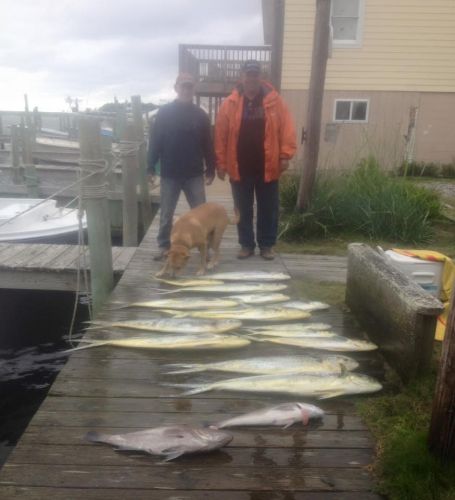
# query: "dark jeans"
[194,190]
[267,200]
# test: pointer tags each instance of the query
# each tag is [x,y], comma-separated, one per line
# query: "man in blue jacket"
[180,139]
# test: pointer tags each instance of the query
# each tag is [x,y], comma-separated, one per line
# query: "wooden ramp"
[34,266]
[118,390]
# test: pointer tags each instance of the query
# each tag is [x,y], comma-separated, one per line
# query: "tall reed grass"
[364,201]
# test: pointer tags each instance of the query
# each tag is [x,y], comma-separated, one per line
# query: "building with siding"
[390,82]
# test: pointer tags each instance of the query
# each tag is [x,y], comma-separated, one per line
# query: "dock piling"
[94,194]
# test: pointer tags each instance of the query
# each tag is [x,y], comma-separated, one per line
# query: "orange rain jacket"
[279,141]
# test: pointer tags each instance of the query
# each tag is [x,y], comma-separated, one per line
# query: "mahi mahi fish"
[289,330]
[271,365]
[168,441]
[259,298]
[320,386]
[283,415]
[249,314]
[333,343]
[190,282]
[188,303]
[305,306]
[172,325]
[250,276]
[231,288]
[171,341]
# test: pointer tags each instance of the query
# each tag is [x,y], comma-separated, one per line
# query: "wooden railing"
[222,63]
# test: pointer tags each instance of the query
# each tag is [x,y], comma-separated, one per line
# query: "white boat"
[40,219]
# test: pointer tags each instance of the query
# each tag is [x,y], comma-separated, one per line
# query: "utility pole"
[94,194]
[315,97]
[441,438]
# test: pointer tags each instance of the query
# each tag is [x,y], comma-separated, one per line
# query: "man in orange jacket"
[254,141]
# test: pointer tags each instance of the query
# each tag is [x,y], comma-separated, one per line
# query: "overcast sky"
[97,49]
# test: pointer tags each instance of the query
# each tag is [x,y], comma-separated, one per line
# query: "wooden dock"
[119,390]
[35,266]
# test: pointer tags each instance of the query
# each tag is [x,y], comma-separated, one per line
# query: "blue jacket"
[180,138]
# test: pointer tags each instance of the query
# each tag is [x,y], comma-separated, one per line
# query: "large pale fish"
[293,333]
[320,386]
[250,276]
[250,314]
[183,282]
[259,298]
[171,325]
[334,343]
[171,341]
[188,303]
[283,415]
[231,288]
[291,329]
[271,365]
[168,441]
[306,306]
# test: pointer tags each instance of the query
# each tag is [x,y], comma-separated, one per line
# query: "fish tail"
[114,306]
[88,346]
[191,388]
[97,325]
[178,368]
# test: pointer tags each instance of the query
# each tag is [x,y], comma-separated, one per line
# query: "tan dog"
[202,227]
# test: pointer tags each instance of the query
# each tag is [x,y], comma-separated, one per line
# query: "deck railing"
[222,63]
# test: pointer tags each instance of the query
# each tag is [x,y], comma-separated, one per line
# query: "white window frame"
[349,44]
[350,110]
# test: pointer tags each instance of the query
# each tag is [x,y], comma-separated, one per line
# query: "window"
[347,20]
[347,110]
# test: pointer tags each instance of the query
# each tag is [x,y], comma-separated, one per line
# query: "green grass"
[366,202]
[443,240]
[400,422]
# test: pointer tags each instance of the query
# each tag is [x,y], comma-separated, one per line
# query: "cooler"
[426,273]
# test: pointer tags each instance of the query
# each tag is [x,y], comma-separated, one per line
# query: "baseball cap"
[251,65]
[185,78]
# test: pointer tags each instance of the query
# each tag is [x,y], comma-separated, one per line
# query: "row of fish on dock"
[194,323]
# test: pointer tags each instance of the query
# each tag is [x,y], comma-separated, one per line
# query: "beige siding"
[407,45]
[384,134]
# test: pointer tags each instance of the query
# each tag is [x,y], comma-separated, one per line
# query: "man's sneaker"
[161,255]
[267,253]
[245,252]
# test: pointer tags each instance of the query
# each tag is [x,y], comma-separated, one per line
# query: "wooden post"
[442,427]
[30,173]
[18,178]
[315,96]
[146,209]
[106,146]
[130,167]
[120,124]
[96,206]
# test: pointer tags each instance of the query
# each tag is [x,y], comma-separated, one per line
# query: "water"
[33,328]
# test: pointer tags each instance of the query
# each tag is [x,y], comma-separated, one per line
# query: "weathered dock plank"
[38,266]
[116,390]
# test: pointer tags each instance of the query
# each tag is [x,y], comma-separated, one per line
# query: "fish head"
[212,438]
[177,257]
[310,411]
[359,384]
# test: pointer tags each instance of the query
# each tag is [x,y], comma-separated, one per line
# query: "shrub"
[365,201]
[448,170]
[426,169]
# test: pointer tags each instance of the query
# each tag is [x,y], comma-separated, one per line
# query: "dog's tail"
[236,219]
